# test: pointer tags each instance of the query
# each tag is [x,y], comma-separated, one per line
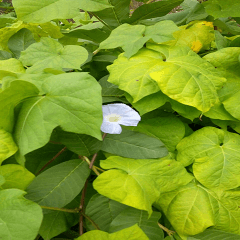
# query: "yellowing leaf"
[214,154]
[190,209]
[188,79]
[138,182]
[197,35]
[132,75]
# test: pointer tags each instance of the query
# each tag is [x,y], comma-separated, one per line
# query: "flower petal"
[117,108]
[129,122]
[112,128]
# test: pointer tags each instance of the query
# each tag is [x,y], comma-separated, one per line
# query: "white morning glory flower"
[116,114]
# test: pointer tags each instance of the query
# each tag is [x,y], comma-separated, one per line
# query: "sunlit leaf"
[69,96]
[45,11]
[138,183]
[16,176]
[214,154]
[51,54]
[7,145]
[20,218]
[131,233]
[188,79]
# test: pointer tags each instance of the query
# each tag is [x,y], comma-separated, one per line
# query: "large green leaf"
[138,183]
[131,216]
[188,79]
[222,8]
[52,187]
[16,176]
[134,145]
[20,41]
[132,75]
[161,31]
[20,218]
[130,43]
[10,97]
[54,9]
[131,233]
[93,32]
[102,211]
[214,234]
[156,9]
[7,145]
[214,154]
[114,16]
[67,100]
[170,130]
[51,54]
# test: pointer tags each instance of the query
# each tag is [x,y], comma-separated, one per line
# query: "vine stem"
[169,232]
[49,162]
[95,155]
[61,209]
[81,206]
[88,161]
[90,220]
[91,13]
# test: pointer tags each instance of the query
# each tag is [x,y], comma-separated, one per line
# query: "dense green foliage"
[174,174]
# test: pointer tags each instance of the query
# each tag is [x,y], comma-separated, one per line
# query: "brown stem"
[91,221]
[49,162]
[169,232]
[95,155]
[81,207]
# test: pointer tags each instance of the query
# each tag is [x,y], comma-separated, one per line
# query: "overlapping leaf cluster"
[175,175]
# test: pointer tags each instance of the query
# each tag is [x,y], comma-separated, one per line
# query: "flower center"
[113,118]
